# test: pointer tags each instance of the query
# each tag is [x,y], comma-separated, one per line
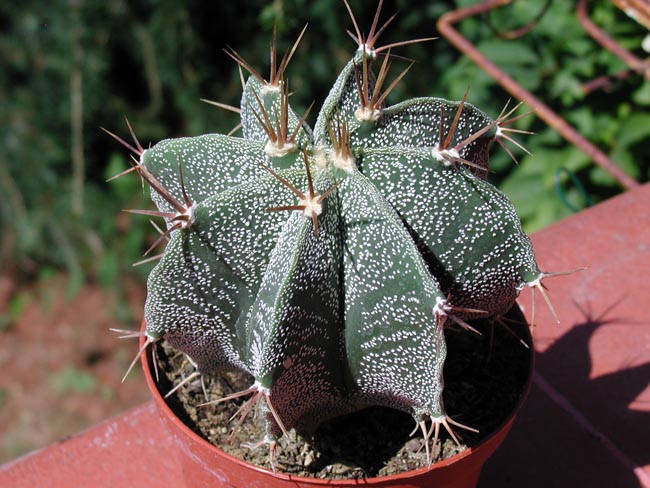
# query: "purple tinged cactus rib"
[211,274]
[387,282]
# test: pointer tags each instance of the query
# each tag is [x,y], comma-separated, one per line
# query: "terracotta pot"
[205,465]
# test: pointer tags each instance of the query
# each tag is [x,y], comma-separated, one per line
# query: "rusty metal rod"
[446,29]
[605,82]
[640,66]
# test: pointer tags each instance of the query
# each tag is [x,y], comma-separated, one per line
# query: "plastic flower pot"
[204,464]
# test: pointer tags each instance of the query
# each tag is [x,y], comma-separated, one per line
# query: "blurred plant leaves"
[71,379]
[152,61]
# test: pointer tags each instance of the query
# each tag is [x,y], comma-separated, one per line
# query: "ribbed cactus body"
[331,286]
[467,229]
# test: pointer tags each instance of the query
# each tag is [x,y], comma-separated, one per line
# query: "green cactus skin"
[327,268]
[475,246]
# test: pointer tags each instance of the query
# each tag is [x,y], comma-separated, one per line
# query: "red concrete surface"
[586,423]
[132,450]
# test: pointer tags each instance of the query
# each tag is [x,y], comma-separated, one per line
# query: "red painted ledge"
[586,423]
[130,450]
[587,420]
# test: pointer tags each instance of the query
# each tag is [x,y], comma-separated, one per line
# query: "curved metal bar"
[640,66]
[446,28]
[521,31]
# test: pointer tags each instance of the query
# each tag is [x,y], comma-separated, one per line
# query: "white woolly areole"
[312,206]
[320,157]
[442,307]
[268,88]
[438,419]
[370,51]
[441,311]
[344,162]
[536,281]
[445,156]
[152,337]
[261,389]
[499,131]
[366,114]
[273,150]
[190,214]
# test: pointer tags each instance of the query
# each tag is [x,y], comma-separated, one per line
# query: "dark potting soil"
[485,376]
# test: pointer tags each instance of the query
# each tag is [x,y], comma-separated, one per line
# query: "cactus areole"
[325,262]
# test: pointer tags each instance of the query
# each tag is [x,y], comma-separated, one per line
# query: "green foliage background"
[69,67]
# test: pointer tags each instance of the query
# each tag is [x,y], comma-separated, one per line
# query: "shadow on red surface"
[559,438]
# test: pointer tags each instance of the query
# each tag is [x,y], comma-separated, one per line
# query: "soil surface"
[484,378]
[61,365]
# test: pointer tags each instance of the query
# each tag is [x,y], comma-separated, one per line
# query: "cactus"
[325,263]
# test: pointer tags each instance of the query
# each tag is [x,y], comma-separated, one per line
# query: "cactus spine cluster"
[325,263]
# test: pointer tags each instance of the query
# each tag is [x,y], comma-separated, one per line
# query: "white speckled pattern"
[348,319]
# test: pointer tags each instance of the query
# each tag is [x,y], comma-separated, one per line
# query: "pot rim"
[483,445]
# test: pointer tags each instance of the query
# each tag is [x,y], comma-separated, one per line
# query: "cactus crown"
[326,262]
